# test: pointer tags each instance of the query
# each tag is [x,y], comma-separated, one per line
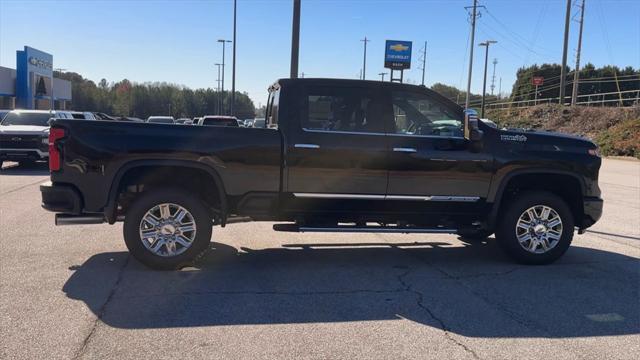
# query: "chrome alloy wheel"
[539,229]
[167,230]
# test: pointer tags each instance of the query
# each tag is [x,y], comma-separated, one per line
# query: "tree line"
[126,98]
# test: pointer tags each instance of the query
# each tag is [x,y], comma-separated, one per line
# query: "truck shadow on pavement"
[471,290]
[35,169]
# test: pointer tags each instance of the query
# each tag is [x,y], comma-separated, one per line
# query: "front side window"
[342,109]
[419,114]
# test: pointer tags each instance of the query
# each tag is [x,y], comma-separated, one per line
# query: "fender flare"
[495,197]
[110,208]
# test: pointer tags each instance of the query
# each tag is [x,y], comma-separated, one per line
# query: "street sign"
[537,81]
[397,55]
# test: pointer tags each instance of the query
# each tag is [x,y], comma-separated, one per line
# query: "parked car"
[196,120]
[161,119]
[258,123]
[3,113]
[184,121]
[130,118]
[218,120]
[24,133]
[337,156]
[103,116]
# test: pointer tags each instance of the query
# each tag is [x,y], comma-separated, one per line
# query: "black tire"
[201,215]
[506,230]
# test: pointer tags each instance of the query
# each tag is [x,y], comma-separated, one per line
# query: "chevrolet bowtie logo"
[399,47]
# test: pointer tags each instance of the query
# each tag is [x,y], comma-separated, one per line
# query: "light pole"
[218,89]
[484,82]
[382,74]
[295,40]
[224,45]
[233,72]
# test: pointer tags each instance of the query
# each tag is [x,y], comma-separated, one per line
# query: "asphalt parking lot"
[73,292]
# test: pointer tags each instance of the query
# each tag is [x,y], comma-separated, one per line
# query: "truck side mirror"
[471,130]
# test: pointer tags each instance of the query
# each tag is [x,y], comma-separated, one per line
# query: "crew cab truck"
[335,156]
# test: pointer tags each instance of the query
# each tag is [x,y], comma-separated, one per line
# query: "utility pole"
[500,89]
[382,74]
[364,59]
[295,40]
[563,71]
[576,74]
[224,45]
[493,78]
[233,71]
[484,82]
[474,14]
[218,90]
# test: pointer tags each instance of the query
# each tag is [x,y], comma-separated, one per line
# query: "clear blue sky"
[175,41]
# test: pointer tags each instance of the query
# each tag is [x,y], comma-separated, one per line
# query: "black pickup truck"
[334,156]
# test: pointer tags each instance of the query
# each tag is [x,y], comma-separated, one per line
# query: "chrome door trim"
[306,146]
[408,197]
[455,198]
[387,197]
[405,150]
[339,196]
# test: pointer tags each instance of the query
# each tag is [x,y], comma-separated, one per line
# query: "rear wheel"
[167,228]
[536,228]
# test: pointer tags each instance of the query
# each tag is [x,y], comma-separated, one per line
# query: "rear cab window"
[342,109]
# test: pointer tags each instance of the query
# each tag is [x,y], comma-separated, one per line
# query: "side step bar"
[363,229]
[68,219]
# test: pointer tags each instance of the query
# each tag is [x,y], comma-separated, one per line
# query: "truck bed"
[96,152]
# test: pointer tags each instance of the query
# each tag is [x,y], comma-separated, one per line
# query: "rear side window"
[343,109]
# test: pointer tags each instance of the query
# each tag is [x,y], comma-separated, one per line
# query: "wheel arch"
[568,186]
[132,166]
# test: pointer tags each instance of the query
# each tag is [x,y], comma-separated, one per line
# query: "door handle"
[405,150]
[306,146]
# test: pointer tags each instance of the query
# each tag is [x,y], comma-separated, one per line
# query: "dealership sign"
[41,63]
[397,55]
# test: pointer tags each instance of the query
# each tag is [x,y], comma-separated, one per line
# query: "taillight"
[55,159]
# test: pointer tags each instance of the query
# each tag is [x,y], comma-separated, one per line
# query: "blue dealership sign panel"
[32,68]
[397,54]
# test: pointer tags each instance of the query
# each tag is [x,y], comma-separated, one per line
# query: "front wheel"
[536,228]
[167,228]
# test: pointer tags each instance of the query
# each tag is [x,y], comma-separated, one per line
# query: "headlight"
[594,152]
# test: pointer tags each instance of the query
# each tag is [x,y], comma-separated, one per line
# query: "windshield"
[21,118]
